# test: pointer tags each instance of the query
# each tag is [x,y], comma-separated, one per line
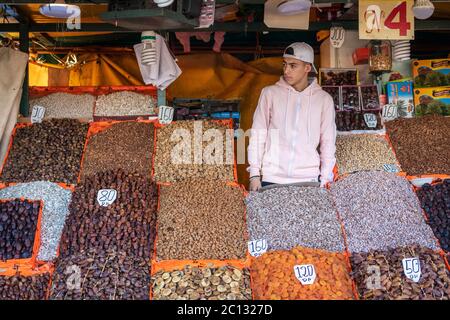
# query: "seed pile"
[126,225]
[290,216]
[56,208]
[435,201]
[49,151]
[24,288]
[124,103]
[379,275]
[65,105]
[358,152]
[101,276]
[201,219]
[125,145]
[193,283]
[422,145]
[274,278]
[181,154]
[18,226]
[380,211]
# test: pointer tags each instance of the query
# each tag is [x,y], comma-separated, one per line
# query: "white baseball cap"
[300,51]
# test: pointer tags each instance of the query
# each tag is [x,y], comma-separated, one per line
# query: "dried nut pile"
[101,276]
[126,225]
[350,120]
[48,151]
[291,216]
[125,145]
[380,62]
[65,105]
[181,154]
[194,283]
[359,152]
[422,145]
[200,219]
[379,275]
[56,208]
[18,226]
[380,211]
[273,276]
[124,103]
[24,288]
[435,201]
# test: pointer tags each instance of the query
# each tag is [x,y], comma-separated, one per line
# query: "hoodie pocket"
[306,157]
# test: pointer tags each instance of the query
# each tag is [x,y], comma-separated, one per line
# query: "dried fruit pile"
[379,275]
[435,201]
[200,219]
[24,288]
[422,145]
[18,227]
[101,276]
[194,283]
[274,277]
[126,225]
[194,149]
[358,152]
[124,145]
[291,216]
[124,103]
[49,151]
[379,210]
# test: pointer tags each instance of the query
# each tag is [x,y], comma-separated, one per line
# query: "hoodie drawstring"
[309,115]
[286,113]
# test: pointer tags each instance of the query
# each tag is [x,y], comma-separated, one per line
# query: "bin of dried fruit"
[20,287]
[65,105]
[334,92]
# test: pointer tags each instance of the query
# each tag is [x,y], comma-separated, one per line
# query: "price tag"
[392,168]
[411,268]
[37,114]
[337,36]
[371,120]
[390,112]
[305,273]
[106,197]
[257,247]
[165,114]
[387,19]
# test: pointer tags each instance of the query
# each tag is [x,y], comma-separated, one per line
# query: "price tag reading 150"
[411,268]
[106,197]
[305,273]
[37,114]
[165,114]
[257,247]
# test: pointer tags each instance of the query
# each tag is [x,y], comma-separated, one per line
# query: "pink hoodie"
[288,126]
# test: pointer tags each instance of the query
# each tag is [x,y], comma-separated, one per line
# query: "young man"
[294,119]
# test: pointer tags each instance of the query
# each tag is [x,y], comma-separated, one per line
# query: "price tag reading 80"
[106,197]
[411,268]
[37,114]
[305,273]
[257,247]
[165,114]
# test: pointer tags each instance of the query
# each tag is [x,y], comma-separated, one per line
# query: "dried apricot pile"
[275,275]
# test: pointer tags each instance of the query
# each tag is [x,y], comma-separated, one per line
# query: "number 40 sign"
[387,19]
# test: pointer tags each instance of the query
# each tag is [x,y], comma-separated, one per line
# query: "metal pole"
[24,47]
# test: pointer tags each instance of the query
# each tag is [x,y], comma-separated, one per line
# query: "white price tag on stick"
[37,114]
[370,119]
[305,273]
[165,114]
[337,36]
[392,168]
[390,112]
[106,197]
[411,268]
[257,247]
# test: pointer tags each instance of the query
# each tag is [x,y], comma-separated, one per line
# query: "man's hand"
[255,183]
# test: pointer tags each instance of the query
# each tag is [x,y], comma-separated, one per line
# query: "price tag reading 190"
[37,114]
[257,247]
[305,273]
[165,114]
[411,268]
[106,197]
[370,119]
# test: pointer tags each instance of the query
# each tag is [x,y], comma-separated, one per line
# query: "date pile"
[274,276]
[194,283]
[49,151]
[24,288]
[18,227]
[200,219]
[127,225]
[380,275]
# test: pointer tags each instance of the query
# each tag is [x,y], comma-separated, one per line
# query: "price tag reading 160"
[305,273]
[257,247]
[106,197]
